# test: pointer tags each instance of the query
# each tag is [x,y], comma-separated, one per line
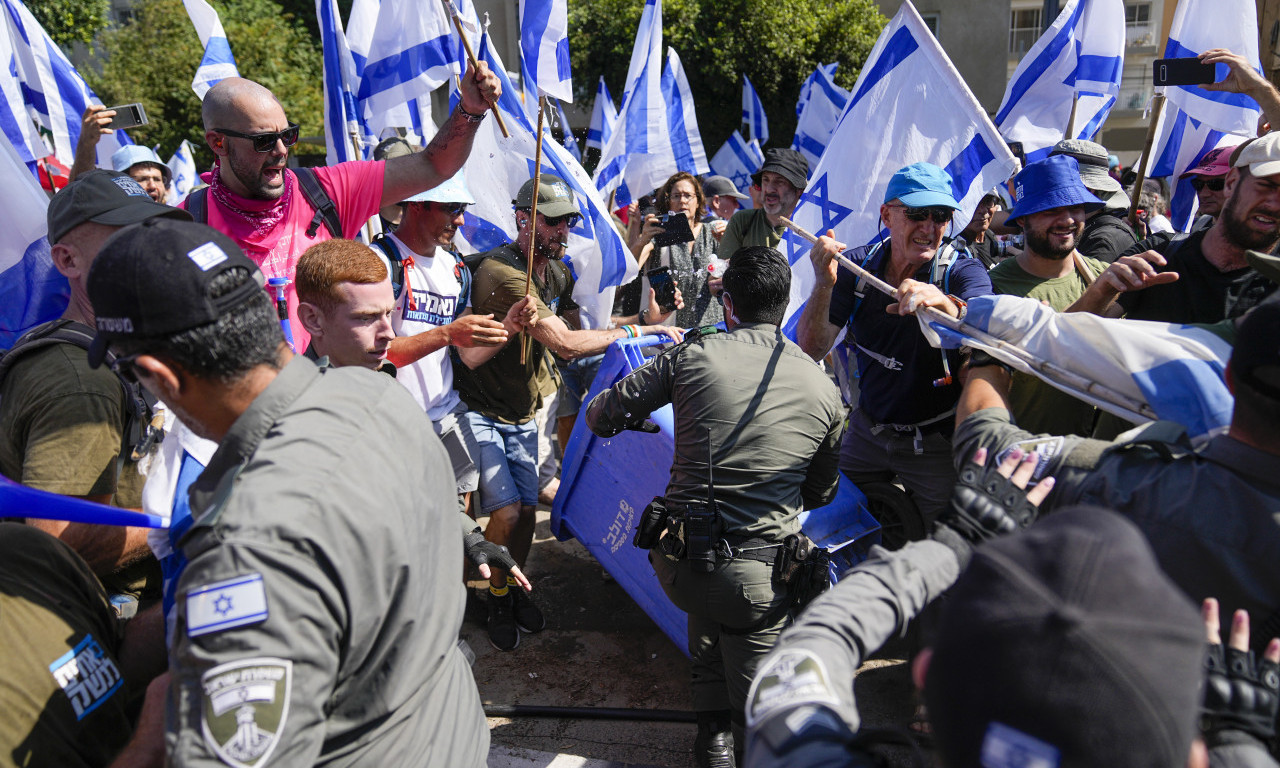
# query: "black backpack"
[326,211]
[139,433]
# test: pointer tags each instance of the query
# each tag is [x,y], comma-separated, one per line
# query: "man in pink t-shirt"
[256,201]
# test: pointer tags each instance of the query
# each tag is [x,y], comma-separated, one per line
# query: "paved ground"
[600,650]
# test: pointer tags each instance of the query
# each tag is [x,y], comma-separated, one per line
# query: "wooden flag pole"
[1071,121]
[471,58]
[533,223]
[1145,162]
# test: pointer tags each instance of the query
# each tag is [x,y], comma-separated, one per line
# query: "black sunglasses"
[265,142]
[453,209]
[939,214]
[1214,185]
[554,221]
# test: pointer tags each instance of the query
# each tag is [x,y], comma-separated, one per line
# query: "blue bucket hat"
[1051,183]
[921,185]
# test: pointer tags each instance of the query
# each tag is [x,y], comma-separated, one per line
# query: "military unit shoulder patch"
[245,704]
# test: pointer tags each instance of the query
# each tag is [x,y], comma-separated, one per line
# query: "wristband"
[470,118]
[961,303]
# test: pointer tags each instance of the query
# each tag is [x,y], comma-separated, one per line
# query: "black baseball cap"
[104,197]
[152,279]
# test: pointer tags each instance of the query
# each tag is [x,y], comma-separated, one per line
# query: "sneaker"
[528,614]
[503,632]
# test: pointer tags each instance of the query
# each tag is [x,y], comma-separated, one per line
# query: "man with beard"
[275,213]
[1214,281]
[782,179]
[907,393]
[504,393]
[1052,207]
[1107,233]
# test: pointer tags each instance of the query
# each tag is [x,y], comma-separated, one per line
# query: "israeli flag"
[1080,55]
[738,160]
[806,88]
[544,46]
[31,290]
[820,106]
[1199,25]
[922,111]
[686,141]
[342,119]
[597,254]
[183,167]
[414,115]
[412,50]
[217,64]
[604,116]
[639,157]
[570,141]
[42,88]
[1180,143]
[753,116]
[1176,371]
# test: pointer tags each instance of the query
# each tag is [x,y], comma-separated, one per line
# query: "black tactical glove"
[1240,694]
[481,551]
[985,505]
[645,425]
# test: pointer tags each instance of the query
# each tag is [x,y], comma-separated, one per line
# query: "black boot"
[713,748]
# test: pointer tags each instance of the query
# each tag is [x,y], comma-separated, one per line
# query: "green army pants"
[736,613]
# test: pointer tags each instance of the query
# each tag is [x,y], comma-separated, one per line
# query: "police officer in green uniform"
[757,416]
[1211,511]
[318,613]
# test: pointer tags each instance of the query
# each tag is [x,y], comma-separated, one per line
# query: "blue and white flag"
[1180,143]
[218,63]
[753,116]
[183,167]
[1177,371]
[604,116]
[806,88]
[570,141]
[414,115]
[639,152]
[820,106]
[412,51]
[920,110]
[1199,25]
[737,160]
[1081,54]
[544,46]
[31,289]
[53,95]
[597,254]
[686,141]
[1194,120]
[342,119]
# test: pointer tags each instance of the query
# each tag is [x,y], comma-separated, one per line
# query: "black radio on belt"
[653,522]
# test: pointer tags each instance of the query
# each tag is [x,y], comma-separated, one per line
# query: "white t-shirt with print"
[435,290]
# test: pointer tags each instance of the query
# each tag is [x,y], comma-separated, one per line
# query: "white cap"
[1262,155]
[452,190]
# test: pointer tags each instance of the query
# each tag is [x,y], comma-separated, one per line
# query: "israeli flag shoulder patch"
[226,604]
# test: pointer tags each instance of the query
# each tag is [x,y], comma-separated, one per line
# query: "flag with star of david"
[909,105]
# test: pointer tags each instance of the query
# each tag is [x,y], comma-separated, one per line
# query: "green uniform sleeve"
[631,400]
[257,645]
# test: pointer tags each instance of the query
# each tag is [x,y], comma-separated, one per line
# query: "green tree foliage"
[776,43]
[71,21]
[153,57]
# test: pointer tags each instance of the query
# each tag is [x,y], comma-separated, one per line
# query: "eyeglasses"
[453,209]
[1214,185]
[939,214]
[555,221]
[265,142]
[683,196]
[720,297]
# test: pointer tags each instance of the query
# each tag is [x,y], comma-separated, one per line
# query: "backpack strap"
[389,249]
[326,211]
[198,205]
[463,275]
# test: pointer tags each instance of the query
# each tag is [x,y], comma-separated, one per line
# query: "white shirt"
[435,291]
